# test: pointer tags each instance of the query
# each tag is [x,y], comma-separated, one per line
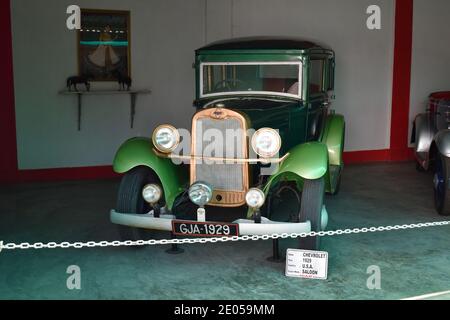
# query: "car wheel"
[283,203]
[130,200]
[311,210]
[441,185]
[338,186]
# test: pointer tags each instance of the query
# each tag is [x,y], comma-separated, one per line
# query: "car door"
[318,97]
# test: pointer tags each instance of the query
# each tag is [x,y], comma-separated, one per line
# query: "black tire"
[311,210]
[338,186]
[130,200]
[441,185]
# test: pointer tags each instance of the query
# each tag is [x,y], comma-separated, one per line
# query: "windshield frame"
[255,93]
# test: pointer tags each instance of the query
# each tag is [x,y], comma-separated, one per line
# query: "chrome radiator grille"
[220,138]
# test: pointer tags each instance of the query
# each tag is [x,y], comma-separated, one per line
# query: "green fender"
[306,161]
[139,152]
[333,136]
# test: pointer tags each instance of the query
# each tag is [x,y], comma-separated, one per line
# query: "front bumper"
[246,227]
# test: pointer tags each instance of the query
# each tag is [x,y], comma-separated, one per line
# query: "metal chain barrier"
[104,244]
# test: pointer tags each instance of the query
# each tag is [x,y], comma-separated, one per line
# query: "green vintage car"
[272,96]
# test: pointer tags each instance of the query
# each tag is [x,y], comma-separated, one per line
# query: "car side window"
[316,76]
[331,65]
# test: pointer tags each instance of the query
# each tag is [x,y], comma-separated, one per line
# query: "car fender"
[442,140]
[140,152]
[423,133]
[305,161]
[333,137]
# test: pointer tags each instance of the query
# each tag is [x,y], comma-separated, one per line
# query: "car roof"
[263,43]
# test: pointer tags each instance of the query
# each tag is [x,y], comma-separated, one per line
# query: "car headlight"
[166,138]
[266,142]
[200,193]
[255,198]
[152,193]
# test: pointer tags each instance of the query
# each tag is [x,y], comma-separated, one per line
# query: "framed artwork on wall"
[104,45]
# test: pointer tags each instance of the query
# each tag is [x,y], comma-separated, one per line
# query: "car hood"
[263,112]
[268,113]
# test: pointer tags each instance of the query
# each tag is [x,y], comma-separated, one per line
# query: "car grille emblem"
[218,114]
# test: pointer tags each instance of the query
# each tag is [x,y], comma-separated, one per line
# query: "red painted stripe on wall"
[401,80]
[8,153]
[82,173]
[371,156]
[366,156]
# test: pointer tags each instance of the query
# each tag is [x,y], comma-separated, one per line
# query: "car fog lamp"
[200,193]
[255,198]
[152,193]
[266,142]
[166,138]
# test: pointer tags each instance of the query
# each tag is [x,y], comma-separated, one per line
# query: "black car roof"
[263,43]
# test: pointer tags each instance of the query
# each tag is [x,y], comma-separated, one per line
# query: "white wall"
[364,58]
[431,52]
[164,37]
[165,34]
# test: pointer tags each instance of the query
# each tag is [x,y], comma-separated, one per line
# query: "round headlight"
[200,193]
[266,142]
[152,193]
[255,198]
[166,138]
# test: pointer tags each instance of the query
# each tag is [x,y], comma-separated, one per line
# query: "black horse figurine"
[73,81]
[124,81]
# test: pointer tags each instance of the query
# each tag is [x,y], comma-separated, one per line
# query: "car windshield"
[274,78]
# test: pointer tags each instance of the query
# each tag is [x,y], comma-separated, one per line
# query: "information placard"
[307,264]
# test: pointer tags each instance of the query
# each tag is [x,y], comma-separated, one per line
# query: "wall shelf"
[132,93]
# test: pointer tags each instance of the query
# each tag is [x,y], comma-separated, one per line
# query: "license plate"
[204,229]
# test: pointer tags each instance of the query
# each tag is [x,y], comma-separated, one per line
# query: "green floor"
[412,262]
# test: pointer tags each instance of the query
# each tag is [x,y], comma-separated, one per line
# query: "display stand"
[132,93]
[174,248]
[276,257]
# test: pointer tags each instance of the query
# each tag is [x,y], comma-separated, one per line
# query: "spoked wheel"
[130,200]
[441,185]
[284,203]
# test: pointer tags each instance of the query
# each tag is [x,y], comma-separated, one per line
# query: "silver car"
[431,136]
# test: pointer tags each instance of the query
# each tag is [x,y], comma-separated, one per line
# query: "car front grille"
[229,180]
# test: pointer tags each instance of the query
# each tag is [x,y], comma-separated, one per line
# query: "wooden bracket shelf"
[132,93]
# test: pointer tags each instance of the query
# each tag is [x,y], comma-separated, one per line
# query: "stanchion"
[174,249]
[276,257]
